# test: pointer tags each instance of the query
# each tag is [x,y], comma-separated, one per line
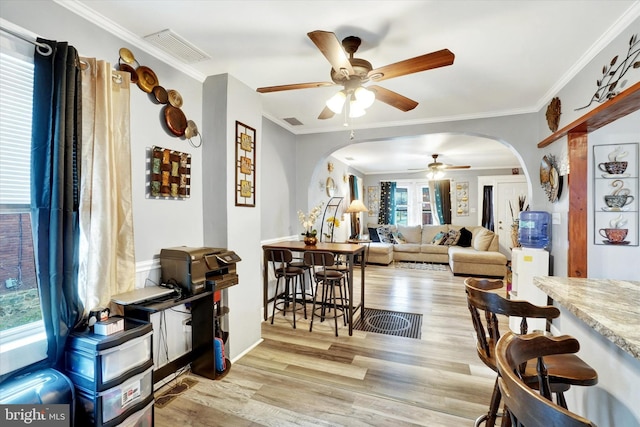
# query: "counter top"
[610,307]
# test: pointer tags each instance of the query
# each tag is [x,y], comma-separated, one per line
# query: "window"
[22,338]
[427,216]
[412,203]
[401,205]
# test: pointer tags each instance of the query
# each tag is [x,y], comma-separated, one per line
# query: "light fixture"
[336,102]
[359,100]
[356,206]
[435,174]
[355,110]
[364,97]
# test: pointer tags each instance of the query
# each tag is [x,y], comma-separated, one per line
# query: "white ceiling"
[510,56]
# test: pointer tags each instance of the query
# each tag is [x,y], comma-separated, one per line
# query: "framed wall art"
[462,198]
[616,193]
[169,173]
[245,165]
[373,200]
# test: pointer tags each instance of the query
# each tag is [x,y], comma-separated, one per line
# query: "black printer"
[190,268]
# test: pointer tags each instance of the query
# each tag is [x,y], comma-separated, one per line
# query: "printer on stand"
[190,268]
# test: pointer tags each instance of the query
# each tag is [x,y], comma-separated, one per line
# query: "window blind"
[16,100]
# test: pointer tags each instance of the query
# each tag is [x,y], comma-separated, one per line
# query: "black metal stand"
[333,203]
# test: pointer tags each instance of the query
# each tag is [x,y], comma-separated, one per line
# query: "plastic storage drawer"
[99,362]
[112,407]
[142,418]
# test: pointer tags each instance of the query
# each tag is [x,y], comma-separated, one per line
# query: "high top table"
[349,250]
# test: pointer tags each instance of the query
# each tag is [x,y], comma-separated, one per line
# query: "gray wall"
[158,223]
[277,178]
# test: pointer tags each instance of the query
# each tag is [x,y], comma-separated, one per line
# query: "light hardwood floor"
[301,378]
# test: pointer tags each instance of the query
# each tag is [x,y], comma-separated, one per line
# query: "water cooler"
[528,261]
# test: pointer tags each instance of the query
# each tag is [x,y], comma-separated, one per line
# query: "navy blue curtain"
[442,198]
[487,207]
[55,170]
[387,213]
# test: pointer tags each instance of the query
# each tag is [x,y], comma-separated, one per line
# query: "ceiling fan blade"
[326,114]
[392,98]
[331,48]
[293,86]
[440,58]
[456,167]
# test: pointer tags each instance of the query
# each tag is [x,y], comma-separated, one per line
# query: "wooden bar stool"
[293,287]
[484,284]
[524,405]
[330,289]
[564,370]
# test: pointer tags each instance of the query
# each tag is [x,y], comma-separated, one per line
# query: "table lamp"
[356,206]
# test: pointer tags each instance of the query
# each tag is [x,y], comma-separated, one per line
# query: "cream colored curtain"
[107,257]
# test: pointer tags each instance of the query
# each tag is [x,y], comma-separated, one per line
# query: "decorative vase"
[310,240]
[515,243]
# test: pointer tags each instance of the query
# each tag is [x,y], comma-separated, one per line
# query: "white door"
[506,209]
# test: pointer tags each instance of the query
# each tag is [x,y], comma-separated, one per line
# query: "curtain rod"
[47,49]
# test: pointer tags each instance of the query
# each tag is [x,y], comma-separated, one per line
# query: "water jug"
[534,230]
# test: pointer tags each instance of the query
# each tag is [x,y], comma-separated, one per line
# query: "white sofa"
[481,258]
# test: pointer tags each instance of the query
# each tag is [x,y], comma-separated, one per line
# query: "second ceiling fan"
[352,73]
[435,169]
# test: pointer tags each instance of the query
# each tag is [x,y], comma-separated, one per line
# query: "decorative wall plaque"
[554,109]
[245,165]
[169,173]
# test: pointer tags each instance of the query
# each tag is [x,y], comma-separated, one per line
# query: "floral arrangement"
[332,222]
[308,221]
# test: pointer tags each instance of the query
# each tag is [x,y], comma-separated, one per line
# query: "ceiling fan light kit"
[364,97]
[435,174]
[336,102]
[352,73]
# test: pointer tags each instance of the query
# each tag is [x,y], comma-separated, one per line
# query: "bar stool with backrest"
[526,406]
[564,370]
[330,289]
[293,287]
[308,292]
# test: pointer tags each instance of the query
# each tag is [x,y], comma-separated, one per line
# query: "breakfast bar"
[604,315]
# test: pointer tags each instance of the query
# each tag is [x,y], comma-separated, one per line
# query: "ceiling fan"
[435,169]
[352,73]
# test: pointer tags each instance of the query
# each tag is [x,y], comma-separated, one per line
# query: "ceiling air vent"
[175,45]
[293,121]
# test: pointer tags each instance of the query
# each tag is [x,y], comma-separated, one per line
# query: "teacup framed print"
[615,188]
[245,185]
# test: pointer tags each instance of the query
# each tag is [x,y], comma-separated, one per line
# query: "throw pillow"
[398,238]
[465,238]
[452,238]
[386,235]
[438,238]
[482,239]
[373,235]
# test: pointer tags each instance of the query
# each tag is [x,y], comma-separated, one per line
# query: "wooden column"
[577,255]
